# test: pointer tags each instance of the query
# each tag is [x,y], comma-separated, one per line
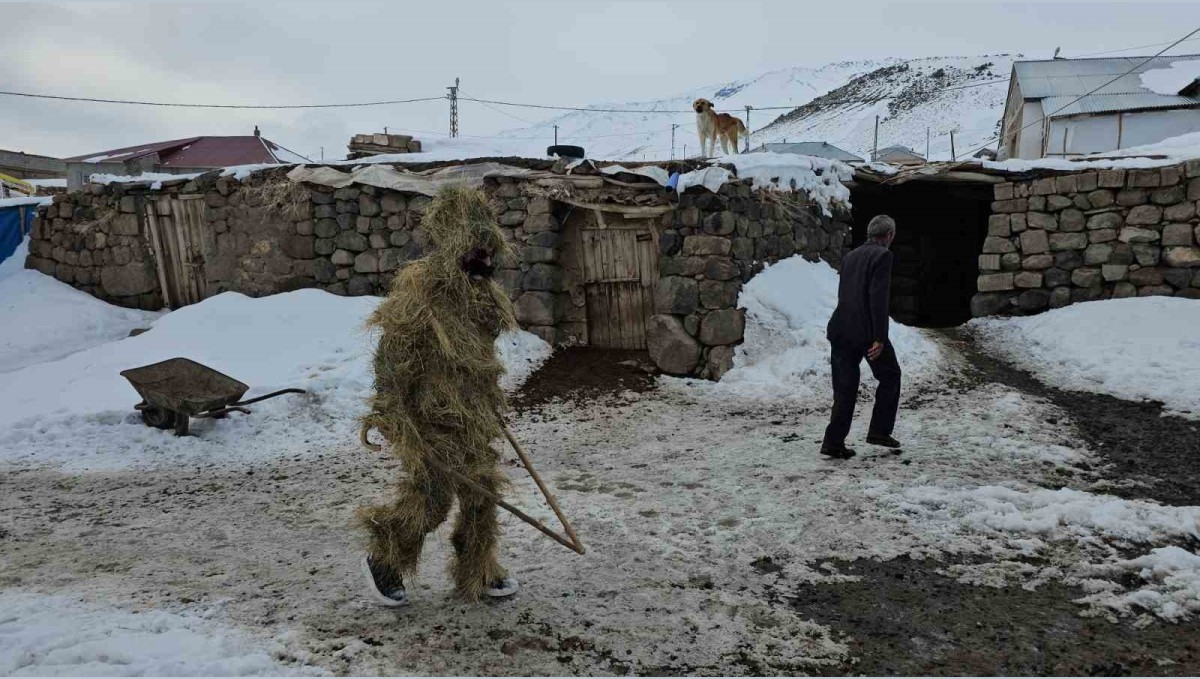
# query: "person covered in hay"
[438,402]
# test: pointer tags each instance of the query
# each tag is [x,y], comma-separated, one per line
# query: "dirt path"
[719,542]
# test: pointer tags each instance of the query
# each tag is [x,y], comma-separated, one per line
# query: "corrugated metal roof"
[198,152]
[1058,81]
[820,149]
[1101,103]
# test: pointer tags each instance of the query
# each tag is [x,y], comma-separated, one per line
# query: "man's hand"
[874,351]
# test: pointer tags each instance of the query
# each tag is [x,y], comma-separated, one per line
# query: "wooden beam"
[634,212]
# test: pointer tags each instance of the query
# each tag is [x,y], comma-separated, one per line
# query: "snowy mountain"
[836,103]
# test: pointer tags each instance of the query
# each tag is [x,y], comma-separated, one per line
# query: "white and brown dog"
[712,125]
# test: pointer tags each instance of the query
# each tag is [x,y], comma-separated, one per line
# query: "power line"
[1126,49]
[241,106]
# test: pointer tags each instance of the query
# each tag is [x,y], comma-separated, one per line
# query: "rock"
[540,222]
[677,295]
[392,203]
[1068,241]
[1060,297]
[325,228]
[1028,279]
[1100,198]
[1037,262]
[1114,272]
[378,241]
[1033,242]
[1102,235]
[533,254]
[743,249]
[538,308]
[1086,294]
[1180,212]
[544,277]
[1010,261]
[706,245]
[988,304]
[1041,220]
[324,271]
[132,279]
[1133,234]
[362,225]
[1033,300]
[324,212]
[995,282]
[352,241]
[1071,220]
[1146,276]
[1055,203]
[1167,196]
[538,206]
[994,245]
[1177,234]
[1105,220]
[1146,254]
[1068,259]
[721,269]
[1122,253]
[366,262]
[1097,254]
[297,247]
[1179,278]
[1177,256]
[720,361]
[1193,189]
[342,258]
[724,326]
[510,280]
[1155,291]
[720,223]
[1086,277]
[547,239]
[1143,178]
[1144,215]
[670,243]
[1123,289]
[989,262]
[1171,175]
[671,348]
[1131,197]
[999,225]
[719,294]
[359,286]
[1111,178]
[1018,223]
[324,246]
[399,238]
[512,218]
[1002,191]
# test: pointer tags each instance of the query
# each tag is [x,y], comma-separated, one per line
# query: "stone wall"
[710,245]
[1091,235]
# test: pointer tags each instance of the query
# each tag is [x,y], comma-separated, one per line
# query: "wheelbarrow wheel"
[159,418]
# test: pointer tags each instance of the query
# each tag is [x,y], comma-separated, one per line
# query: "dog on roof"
[712,126]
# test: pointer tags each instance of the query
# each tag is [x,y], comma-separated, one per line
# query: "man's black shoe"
[882,440]
[837,452]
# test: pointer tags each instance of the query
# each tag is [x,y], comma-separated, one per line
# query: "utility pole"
[453,97]
[322,153]
[385,129]
[953,155]
[927,143]
[875,146]
[556,135]
[673,126]
[685,151]
[748,107]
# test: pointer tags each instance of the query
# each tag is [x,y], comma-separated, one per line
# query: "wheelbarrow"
[177,389]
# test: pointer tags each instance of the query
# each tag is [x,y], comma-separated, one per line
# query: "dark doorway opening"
[940,229]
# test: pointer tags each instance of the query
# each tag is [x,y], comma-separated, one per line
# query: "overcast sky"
[552,52]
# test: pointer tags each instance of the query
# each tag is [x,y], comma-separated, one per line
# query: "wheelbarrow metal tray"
[184,386]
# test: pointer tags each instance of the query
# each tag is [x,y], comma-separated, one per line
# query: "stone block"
[297,247]
[545,277]
[1177,234]
[1068,241]
[362,225]
[1167,195]
[1018,222]
[1102,235]
[719,294]
[1133,234]
[1087,294]
[540,222]
[988,304]
[399,238]
[671,348]
[532,254]
[1193,189]
[1100,198]
[359,286]
[995,282]
[325,228]
[989,262]
[1132,197]
[1060,296]
[1087,181]
[1190,293]
[721,269]
[1010,261]
[1041,220]
[1144,215]
[1032,301]
[1043,187]
[512,218]
[723,326]
[1178,278]
[342,257]
[1097,253]
[1114,272]
[378,241]
[1106,220]
[1081,202]
[720,361]
[1037,262]
[1068,260]
[1146,275]
[352,241]
[1086,277]
[1171,175]
[392,203]
[995,245]
[720,223]
[1002,191]
[538,308]
[1180,212]
[706,245]
[998,225]
[1056,203]
[132,279]
[1183,257]
[1143,178]
[1028,279]
[1071,220]
[1146,254]
[1124,289]
[1066,183]
[1155,291]
[323,246]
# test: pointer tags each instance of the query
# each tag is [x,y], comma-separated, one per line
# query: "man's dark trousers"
[844,361]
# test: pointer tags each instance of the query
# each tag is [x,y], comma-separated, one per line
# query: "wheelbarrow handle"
[273,394]
[222,411]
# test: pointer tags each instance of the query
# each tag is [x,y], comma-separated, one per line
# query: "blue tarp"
[15,222]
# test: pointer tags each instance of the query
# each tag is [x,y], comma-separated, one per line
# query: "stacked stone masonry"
[265,235]
[1092,235]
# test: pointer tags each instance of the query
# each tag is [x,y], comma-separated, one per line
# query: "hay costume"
[437,398]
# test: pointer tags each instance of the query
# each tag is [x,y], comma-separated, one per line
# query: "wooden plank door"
[177,238]
[620,269]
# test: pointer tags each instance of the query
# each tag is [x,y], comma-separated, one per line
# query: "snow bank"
[45,320]
[1135,348]
[785,353]
[1173,150]
[820,178]
[1170,80]
[522,353]
[44,635]
[26,200]
[14,263]
[78,411]
[1172,589]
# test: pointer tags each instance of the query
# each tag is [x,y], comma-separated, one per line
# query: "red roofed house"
[180,156]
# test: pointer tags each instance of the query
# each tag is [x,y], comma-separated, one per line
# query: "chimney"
[256,132]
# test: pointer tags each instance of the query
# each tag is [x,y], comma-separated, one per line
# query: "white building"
[1042,118]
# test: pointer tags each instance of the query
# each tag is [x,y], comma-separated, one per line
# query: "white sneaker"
[502,587]
[386,588]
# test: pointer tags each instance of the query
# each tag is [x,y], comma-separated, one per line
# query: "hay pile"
[437,394]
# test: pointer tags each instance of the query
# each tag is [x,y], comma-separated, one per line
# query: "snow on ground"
[1135,348]
[820,178]
[45,320]
[43,635]
[15,263]
[1171,79]
[78,411]
[786,354]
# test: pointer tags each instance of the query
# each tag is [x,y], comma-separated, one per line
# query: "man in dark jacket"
[858,328]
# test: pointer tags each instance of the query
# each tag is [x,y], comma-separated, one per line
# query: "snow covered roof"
[1057,82]
[200,152]
[819,149]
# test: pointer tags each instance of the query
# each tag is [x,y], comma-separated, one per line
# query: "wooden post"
[748,107]
[953,155]
[875,146]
